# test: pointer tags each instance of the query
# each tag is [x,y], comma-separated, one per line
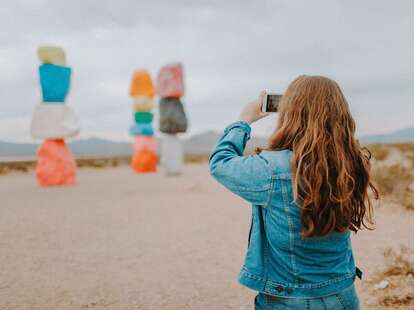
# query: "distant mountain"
[199,144]
[10,149]
[203,143]
[93,147]
[399,136]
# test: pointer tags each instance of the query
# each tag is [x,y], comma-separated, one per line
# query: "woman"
[308,189]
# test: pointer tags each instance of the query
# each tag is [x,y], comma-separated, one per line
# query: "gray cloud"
[230,49]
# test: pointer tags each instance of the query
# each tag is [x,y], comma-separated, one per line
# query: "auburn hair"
[330,169]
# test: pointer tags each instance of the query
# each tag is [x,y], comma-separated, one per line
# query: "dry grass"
[399,262]
[103,162]
[397,277]
[22,166]
[395,183]
[381,151]
[26,166]
[393,172]
[196,158]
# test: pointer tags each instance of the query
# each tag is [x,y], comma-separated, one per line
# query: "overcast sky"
[230,50]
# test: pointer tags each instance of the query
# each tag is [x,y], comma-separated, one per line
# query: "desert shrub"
[102,162]
[398,276]
[196,158]
[394,173]
[18,166]
[399,262]
[4,169]
[407,149]
[379,151]
[392,179]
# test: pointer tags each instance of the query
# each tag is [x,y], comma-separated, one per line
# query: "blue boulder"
[54,81]
[141,129]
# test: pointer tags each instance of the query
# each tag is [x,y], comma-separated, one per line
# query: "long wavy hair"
[331,170]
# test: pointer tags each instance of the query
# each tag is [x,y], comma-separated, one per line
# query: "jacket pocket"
[250,231]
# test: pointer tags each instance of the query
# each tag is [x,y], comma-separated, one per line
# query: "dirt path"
[122,241]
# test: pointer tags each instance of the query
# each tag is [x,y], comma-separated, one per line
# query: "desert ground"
[117,240]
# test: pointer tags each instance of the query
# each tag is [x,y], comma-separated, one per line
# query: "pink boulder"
[170,81]
[145,143]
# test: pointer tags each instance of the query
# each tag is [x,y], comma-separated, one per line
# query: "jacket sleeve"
[247,176]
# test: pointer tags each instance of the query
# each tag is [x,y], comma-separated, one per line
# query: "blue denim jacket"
[279,261]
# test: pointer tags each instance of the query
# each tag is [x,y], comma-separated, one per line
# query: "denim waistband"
[289,290]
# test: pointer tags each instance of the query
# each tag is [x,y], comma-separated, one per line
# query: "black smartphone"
[271,102]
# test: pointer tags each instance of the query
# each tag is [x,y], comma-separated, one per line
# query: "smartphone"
[271,102]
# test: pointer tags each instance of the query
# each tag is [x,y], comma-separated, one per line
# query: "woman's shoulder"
[278,160]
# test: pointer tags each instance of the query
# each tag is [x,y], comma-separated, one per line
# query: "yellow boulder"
[52,55]
[143,104]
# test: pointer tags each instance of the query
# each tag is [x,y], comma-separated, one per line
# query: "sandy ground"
[124,241]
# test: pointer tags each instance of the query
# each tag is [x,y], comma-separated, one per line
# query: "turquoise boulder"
[54,81]
[142,129]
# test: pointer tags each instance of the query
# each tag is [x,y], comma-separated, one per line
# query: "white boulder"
[53,121]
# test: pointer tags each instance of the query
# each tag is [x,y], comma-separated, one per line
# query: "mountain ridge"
[198,144]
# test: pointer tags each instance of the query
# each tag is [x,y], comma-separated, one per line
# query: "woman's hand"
[252,111]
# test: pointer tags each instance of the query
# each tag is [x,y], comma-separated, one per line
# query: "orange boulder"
[55,164]
[141,84]
[144,161]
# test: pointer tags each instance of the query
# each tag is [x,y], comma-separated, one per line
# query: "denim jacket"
[279,261]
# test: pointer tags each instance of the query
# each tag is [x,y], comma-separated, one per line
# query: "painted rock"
[141,130]
[53,121]
[172,154]
[55,164]
[143,117]
[52,55]
[170,81]
[172,116]
[145,143]
[141,84]
[143,104]
[54,81]
[144,161]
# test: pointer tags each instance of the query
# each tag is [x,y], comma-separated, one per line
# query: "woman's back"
[279,261]
[302,261]
[308,191]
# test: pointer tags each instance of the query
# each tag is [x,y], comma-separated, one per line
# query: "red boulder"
[55,164]
[170,81]
[144,161]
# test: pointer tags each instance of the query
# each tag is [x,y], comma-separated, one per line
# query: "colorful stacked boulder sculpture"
[173,120]
[142,91]
[53,120]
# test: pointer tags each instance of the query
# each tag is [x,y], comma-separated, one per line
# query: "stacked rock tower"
[173,120]
[142,91]
[53,120]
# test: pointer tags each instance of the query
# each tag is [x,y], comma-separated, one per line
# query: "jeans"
[347,299]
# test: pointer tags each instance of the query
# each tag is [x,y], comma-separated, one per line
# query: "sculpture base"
[144,161]
[56,165]
[172,155]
